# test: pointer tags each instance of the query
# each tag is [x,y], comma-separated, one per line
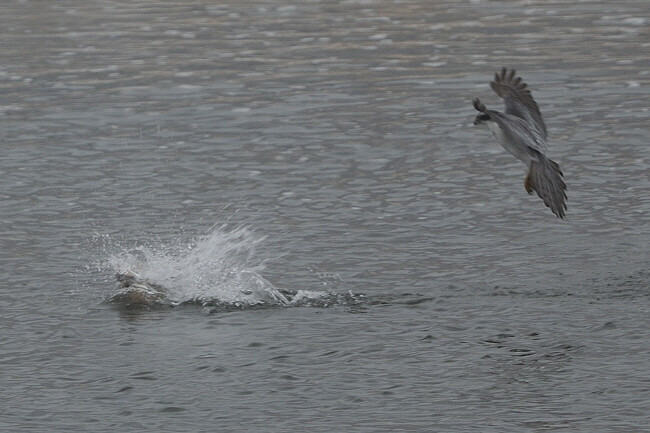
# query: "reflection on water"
[342,132]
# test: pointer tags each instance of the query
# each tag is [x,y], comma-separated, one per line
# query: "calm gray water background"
[339,133]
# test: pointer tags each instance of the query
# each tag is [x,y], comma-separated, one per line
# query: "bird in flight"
[521,131]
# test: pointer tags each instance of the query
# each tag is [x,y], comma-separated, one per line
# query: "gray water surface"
[325,148]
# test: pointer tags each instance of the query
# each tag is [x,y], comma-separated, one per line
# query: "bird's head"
[481,118]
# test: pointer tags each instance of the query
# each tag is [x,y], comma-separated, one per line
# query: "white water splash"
[220,267]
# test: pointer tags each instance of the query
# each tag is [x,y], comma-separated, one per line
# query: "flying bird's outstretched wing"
[518,99]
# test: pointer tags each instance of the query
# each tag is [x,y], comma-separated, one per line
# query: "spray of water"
[220,267]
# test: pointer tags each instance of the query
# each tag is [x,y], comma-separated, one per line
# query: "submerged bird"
[521,131]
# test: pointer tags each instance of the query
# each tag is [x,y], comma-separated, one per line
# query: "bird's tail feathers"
[545,178]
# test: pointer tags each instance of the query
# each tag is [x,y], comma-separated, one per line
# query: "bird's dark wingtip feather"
[478,105]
